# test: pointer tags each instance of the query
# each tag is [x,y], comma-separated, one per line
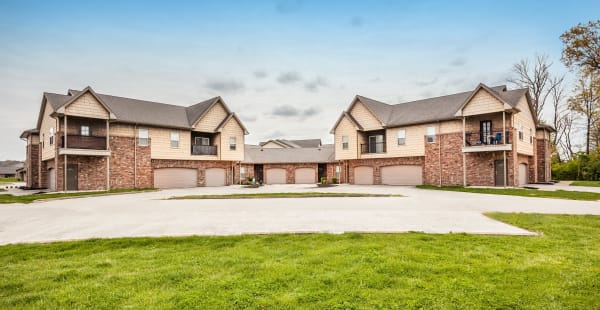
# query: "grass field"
[8,180]
[558,194]
[559,269]
[585,183]
[281,195]
[8,198]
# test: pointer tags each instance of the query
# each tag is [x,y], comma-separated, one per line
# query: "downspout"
[65,168]
[135,156]
[440,150]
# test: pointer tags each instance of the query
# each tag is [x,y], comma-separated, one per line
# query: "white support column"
[505,168]
[464,136]
[107,158]
[504,127]
[65,159]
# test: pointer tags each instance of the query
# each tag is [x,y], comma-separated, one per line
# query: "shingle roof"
[302,143]
[431,109]
[257,155]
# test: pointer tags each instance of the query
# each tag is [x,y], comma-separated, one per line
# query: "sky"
[288,68]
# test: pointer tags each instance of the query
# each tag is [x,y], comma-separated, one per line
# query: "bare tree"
[586,101]
[567,126]
[537,79]
[559,112]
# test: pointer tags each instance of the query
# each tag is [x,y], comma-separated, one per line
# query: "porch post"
[65,159]
[107,158]
[505,168]
[464,157]
[504,142]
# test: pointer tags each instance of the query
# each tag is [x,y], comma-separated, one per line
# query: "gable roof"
[302,143]
[89,90]
[257,155]
[430,109]
[350,118]
[226,120]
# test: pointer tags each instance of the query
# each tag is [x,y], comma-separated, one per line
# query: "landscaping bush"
[582,167]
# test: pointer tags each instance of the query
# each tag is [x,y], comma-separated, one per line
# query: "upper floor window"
[143,136]
[51,136]
[401,136]
[232,143]
[84,130]
[430,134]
[345,142]
[174,139]
[530,136]
[521,132]
[201,141]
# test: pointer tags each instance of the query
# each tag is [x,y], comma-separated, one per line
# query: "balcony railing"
[84,142]
[494,138]
[204,149]
[372,148]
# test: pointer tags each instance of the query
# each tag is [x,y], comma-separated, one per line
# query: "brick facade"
[542,148]
[130,164]
[91,172]
[443,159]
[201,165]
[32,166]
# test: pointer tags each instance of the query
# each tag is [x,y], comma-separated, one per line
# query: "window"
[51,136]
[143,137]
[430,134]
[530,136]
[521,132]
[43,139]
[201,141]
[174,139]
[345,142]
[84,130]
[232,143]
[242,173]
[401,136]
[485,132]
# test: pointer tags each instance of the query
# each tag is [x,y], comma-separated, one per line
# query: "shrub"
[334,180]
[323,180]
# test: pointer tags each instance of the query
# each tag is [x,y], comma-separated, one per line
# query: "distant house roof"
[257,155]
[144,112]
[303,143]
[10,169]
[432,109]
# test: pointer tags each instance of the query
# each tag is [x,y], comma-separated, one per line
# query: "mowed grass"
[558,194]
[558,269]
[281,195]
[9,198]
[8,180]
[585,183]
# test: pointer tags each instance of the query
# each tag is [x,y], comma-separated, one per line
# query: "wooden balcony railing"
[372,148]
[494,138]
[204,149]
[84,142]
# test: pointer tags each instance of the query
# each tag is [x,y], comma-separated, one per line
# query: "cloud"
[248,118]
[458,62]
[286,111]
[314,85]
[310,112]
[289,77]
[275,134]
[260,74]
[288,6]
[426,83]
[356,21]
[375,79]
[224,85]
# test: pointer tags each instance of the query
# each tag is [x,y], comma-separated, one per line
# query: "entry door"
[485,131]
[499,172]
[72,177]
[258,173]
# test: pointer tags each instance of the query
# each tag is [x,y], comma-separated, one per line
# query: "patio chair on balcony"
[498,138]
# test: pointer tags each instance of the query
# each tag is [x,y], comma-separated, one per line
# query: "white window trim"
[401,134]
[174,142]
[521,133]
[430,134]
[143,139]
[345,143]
[51,136]
[232,146]
[81,130]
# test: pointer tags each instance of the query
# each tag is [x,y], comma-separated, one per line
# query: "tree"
[537,79]
[559,114]
[582,46]
[586,101]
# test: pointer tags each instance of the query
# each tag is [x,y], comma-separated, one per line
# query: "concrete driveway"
[148,214]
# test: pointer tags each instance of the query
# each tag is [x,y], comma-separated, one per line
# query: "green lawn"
[8,180]
[559,194]
[9,198]
[559,269]
[585,183]
[281,195]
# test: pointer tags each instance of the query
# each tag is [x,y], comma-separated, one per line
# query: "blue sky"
[288,68]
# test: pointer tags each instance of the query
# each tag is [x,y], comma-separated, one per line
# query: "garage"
[276,176]
[363,175]
[52,180]
[523,174]
[214,177]
[175,177]
[402,175]
[305,176]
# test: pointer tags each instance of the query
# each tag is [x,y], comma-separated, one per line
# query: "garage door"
[523,174]
[276,176]
[52,180]
[175,177]
[363,175]
[402,175]
[214,177]
[305,176]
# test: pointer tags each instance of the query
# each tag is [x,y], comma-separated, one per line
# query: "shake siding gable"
[232,129]
[345,128]
[48,151]
[87,106]
[364,117]
[482,103]
[212,118]
[525,118]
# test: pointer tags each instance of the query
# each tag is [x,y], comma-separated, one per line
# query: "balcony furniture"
[498,138]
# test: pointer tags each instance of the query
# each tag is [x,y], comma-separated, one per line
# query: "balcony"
[373,148]
[204,149]
[495,141]
[84,145]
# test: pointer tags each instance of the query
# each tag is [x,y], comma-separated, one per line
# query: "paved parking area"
[148,214]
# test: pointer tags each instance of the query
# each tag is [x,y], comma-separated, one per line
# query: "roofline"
[479,87]
[352,120]
[212,104]
[62,109]
[226,120]
[357,98]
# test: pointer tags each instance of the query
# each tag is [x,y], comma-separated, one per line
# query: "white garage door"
[175,177]
[214,177]
[523,174]
[276,176]
[305,176]
[363,175]
[402,175]
[52,180]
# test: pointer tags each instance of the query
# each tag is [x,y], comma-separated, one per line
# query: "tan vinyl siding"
[232,129]
[212,119]
[121,130]
[345,128]
[364,117]
[271,145]
[87,106]
[483,103]
[414,143]
[526,119]
[160,143]
[48,151]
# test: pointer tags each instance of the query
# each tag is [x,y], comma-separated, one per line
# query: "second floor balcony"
[83,142]
[487,141]
[198,149]
[373,148]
